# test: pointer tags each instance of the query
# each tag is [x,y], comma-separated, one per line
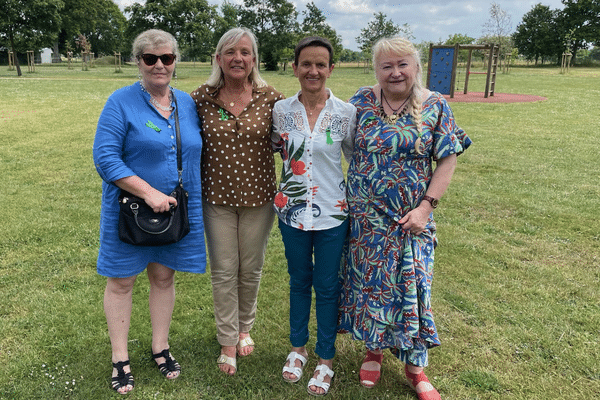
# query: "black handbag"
[140,226]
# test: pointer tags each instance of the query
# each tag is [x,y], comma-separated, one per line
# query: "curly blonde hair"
[400,46]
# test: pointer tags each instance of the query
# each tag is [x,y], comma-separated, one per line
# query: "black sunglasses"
[151,59]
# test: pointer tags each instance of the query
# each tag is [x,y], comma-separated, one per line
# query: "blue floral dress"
[387,273]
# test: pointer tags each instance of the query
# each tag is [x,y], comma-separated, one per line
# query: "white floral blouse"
[312,190]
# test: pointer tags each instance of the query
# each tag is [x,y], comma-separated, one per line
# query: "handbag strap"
[177,132]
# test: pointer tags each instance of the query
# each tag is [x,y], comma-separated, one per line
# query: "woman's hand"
[159,202]
[415,220]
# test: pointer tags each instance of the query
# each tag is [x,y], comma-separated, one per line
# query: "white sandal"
[245,342]
[319,382]
[292,369]
[231,361]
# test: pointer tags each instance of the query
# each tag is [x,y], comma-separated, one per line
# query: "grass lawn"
[516,293]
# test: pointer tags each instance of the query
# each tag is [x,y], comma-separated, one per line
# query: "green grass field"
[516,292]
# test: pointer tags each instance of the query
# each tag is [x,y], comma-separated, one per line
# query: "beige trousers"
[237,241]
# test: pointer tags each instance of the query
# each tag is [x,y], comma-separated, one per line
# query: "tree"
[595,53]
[348,55]
[535,36]
[275,26]
[100,21]
[579,24]
[498,28]
[379,28]
[228,20]
[192,22]
[29,25]
[314,24]
[459,38]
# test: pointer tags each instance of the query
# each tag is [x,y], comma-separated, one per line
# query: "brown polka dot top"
[238,168]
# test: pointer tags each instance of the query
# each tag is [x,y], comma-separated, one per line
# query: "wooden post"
[468,71]
[30,61]
[84,57]
[489,70]
[566,62]
[454,68]
[117,62]
[11,61]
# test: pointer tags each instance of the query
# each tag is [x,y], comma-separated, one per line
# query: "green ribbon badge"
[150,125]
[224,117]
[329,139]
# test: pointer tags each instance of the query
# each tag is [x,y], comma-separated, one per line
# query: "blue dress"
[133,138]
[387,273]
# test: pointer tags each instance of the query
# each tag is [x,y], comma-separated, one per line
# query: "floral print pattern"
[387,272]
[312,189]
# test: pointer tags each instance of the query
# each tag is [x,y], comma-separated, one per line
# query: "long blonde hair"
[400,46]
[230,38]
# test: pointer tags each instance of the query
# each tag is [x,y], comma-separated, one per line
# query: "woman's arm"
[108,158]
[415,220]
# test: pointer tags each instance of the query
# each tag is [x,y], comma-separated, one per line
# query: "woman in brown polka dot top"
[238,185]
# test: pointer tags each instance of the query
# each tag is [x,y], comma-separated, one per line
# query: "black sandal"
[170,365]
[122,379]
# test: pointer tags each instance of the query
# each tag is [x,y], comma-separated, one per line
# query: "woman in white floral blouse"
[312,129]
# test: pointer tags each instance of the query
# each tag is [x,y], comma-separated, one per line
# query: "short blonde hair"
[400,46]
[230,38]
[153,38]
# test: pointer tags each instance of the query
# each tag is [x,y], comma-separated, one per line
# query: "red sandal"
[415,379]
[370,378]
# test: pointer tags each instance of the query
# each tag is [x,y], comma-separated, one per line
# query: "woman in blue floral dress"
[393,188]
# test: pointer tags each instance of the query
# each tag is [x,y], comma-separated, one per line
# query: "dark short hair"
[314,41]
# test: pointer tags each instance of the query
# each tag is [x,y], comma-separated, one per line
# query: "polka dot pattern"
[238,167]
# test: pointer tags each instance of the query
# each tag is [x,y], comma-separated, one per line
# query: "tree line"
[68,25]
[546,34]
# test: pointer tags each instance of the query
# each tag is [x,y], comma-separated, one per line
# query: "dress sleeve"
[109,141]
[348,142]
[448,137]
[276,140]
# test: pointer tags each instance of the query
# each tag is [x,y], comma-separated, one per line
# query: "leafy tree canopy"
[29,24]
[379,28]
[100,21]
[192,22]
[315,24]
[275,26]
[535,37]
[579,24]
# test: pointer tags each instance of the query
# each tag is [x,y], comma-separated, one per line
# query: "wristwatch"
[434,202]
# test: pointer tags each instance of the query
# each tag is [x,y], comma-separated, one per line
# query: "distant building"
[46,56]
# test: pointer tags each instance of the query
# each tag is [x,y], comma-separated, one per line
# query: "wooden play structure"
[443,67]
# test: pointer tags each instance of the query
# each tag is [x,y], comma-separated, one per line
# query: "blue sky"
[430,20]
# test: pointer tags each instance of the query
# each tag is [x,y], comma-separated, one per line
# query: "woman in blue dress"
[393,189]
[135,149]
